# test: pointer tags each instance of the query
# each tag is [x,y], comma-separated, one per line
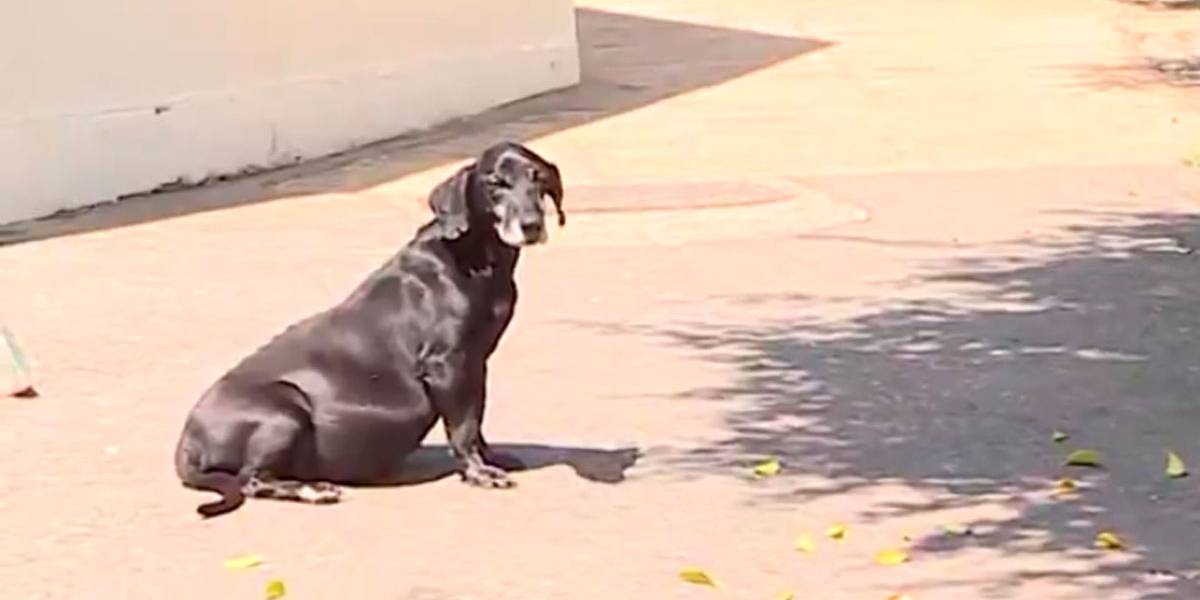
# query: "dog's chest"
[487,298]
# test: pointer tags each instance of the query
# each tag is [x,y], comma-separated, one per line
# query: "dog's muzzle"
[534,231]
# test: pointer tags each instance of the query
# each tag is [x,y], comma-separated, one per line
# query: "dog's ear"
[449,202]
[554,187]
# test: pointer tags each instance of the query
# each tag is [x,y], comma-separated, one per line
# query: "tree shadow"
[1096,333]
[627,62]
[1147,73]
[1167,5]
[432,462]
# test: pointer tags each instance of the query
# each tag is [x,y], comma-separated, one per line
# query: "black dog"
[344,396]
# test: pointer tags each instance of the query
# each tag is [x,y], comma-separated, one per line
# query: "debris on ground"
[16,378]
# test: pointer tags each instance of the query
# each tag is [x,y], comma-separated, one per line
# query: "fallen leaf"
[787,596]
[1175,466]
[957,529]
[275,590]
[899,597]
[837,531]
[1084,458]
[767,468]
[1059,436]
[1109,541]
[698,577]
[890,558]
[804,543]
[245,561]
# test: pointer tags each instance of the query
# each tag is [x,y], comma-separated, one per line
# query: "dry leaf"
[275,590]
[890,558]
[1084,458]
[899,597]
[245,561]
[767,468]
[957,529]
[804,543]
[1109,541]
[837,531]
[698,577]
[1059,436]
[787,596]
[1175,466]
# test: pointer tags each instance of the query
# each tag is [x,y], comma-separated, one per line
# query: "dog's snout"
[531,228]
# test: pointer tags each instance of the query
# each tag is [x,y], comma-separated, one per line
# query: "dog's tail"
[228,485]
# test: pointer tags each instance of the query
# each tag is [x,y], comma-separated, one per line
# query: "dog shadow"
[433,462]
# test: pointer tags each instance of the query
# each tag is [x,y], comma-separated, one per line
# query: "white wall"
[100,98]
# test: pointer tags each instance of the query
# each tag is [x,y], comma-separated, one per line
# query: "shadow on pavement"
[627,62]
[1097,333]
[433,462]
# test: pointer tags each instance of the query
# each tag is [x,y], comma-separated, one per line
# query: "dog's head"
[506,188]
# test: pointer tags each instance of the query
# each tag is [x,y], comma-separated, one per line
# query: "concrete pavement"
[894,245]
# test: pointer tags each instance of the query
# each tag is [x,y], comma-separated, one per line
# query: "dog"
[342,397]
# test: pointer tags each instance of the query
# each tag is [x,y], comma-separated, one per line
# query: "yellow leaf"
[787,596]
[957,529]
[804,544]
[1084,458]
[245,561]
[767,468]
[1109,541]
[899,597]
[275,590]
[890,558]
[837,531]
[1059,436]
[698,577]
[1175,466]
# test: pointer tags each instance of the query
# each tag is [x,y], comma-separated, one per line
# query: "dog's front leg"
[456,384]
[492,456]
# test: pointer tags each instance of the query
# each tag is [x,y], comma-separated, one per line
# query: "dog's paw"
[488,477]
[320,492]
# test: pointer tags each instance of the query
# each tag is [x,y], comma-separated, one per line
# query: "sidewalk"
[893,244]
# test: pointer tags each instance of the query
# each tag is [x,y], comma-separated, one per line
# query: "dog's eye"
[534,176]
[496,181]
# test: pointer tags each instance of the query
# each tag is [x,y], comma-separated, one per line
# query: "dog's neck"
[479,252]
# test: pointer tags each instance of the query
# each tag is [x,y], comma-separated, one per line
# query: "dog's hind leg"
[252,443]
[281,461]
